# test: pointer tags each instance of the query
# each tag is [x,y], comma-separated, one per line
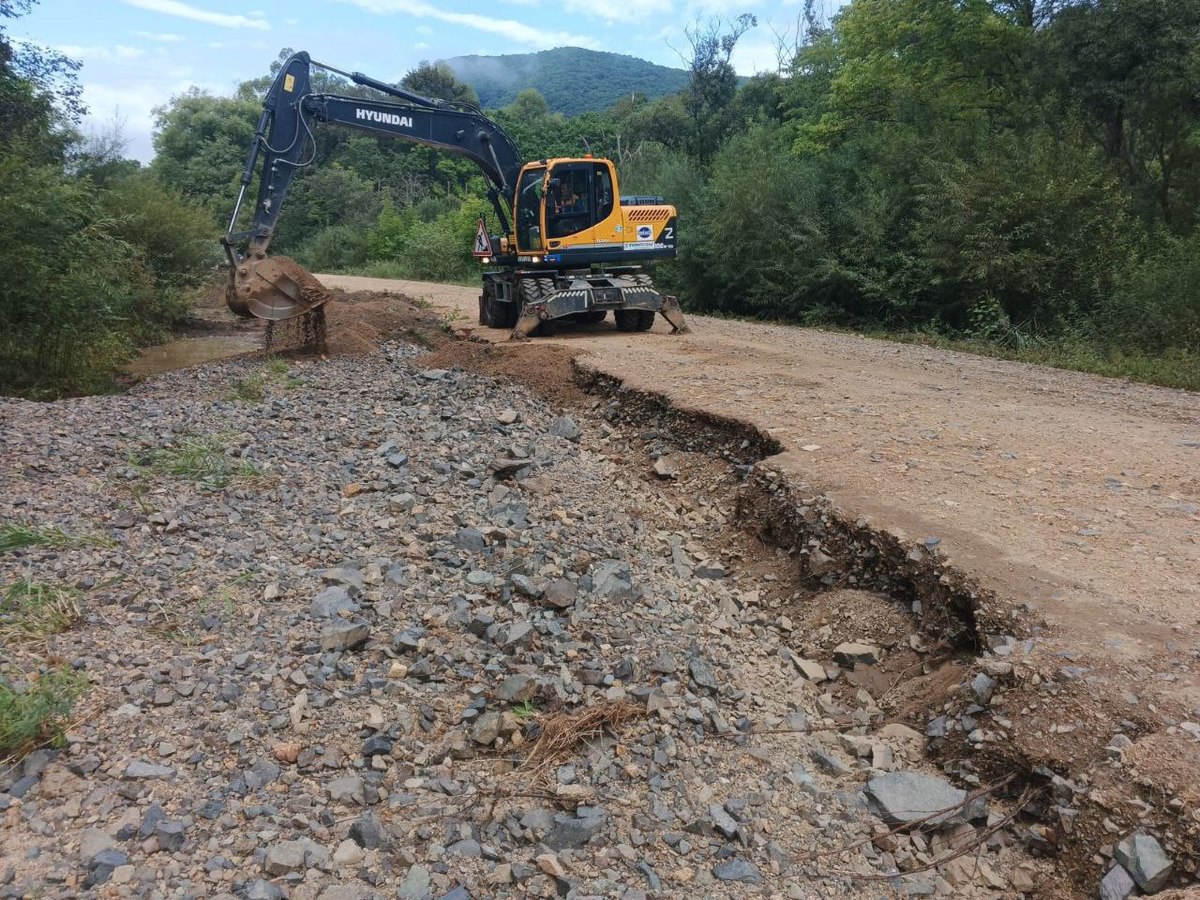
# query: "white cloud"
[425,30]
[511,29]
[116,53]
[187,11]
[619,12]
[159,37]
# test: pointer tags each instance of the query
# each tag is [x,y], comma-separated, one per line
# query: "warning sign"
[483,244]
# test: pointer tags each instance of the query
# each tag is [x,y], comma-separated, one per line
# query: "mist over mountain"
[572,80]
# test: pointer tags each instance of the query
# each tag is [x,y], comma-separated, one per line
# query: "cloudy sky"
[136,54]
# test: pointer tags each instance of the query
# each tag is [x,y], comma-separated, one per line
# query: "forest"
[1012,177]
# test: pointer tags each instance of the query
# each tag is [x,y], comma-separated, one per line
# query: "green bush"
[35,714]
[1157,308]
[334,249]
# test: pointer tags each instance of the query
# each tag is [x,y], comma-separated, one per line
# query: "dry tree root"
[562,733]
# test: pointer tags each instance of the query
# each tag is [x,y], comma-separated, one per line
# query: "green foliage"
[200,144]
[19,535]
[572,80]
[436,249]
[31,611]
[337,248]
[1157,307]
[198,458]
[34,714]
[439,81]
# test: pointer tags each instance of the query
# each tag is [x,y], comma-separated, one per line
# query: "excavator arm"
[277,288]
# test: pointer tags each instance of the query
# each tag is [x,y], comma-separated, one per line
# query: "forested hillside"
[571,79]
[1015,177]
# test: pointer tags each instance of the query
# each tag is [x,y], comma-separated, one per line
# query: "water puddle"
[191,352]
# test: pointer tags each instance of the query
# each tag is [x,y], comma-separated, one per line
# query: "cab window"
[529,209]
[570,207]
[602,180]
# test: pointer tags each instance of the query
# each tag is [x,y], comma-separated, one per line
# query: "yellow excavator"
[569,246]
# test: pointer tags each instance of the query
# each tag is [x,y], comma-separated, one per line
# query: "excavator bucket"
[274,288]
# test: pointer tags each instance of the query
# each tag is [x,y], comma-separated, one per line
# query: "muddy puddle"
[192,351]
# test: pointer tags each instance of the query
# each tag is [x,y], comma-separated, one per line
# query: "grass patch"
[524,711]
[418,337]
[253,388]
[31,612]
[36,715]
[1175,368]
[198,458]
[19,535]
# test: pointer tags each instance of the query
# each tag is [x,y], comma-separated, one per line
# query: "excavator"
[569,246]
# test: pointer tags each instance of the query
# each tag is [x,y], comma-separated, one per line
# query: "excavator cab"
[561,203]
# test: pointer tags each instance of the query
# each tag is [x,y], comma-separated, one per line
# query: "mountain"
[572,80]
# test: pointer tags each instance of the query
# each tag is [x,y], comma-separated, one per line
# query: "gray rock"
[171,835]
[737,869]
[573,831]
[416,885]
[367,832]
[565,428]
[702,673]
[723,821]
[486,728]
[665,664]
[332,601]
[525,587]
[93,841]
[981,688]
[294,856]
[560,593]
[348,576]
[852,653]
[102,865]
[904,797]
[517,688]
[611,579]
[1117,884]
[345,635]
[261,889]
[1146,861]
[153,815]
[470,539]
[138,768]
[829,762]
[347,789]
[468,848]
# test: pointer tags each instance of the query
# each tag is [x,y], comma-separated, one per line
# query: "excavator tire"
[634,319]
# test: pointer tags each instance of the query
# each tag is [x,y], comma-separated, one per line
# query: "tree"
[201,143]
[530,107]
[40,95]
[439,81]
[1133,69]
[712,81]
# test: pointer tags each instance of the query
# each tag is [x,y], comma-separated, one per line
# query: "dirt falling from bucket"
[305,334]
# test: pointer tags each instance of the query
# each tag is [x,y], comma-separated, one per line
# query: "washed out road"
[1074,494]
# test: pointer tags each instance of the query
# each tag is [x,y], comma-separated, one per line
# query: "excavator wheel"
[635,319]
[494,312]
[274,288]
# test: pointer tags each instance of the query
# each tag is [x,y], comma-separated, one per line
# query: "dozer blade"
[274,288]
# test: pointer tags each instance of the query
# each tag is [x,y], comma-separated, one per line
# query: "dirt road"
[1076,494]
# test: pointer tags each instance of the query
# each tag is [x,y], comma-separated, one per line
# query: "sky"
[137,54]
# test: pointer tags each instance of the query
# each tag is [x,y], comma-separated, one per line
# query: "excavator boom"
[277,288]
